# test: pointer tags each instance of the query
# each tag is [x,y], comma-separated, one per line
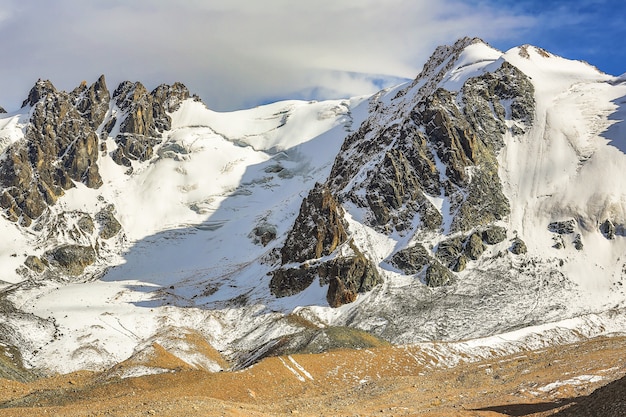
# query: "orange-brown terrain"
[389,381]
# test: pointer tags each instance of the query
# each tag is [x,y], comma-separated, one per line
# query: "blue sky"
[593,30]
[240,53]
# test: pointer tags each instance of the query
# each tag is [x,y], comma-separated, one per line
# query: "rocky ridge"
[428,143]
[65,136]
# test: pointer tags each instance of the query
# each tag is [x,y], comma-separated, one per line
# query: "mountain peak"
[39,90]
[447,58]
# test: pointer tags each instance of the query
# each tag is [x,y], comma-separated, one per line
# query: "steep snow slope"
[204,220]
[568,167]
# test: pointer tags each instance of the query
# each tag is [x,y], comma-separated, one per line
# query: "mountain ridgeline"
[63,140]
[482,197]
[438,143]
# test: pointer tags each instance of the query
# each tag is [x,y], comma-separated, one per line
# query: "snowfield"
[189,258]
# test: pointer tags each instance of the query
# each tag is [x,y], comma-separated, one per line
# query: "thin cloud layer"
[236,53]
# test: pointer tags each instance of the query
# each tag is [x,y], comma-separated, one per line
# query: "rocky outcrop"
[578,242]
[71,259]
[347,276]
[438,144]
[60,147]
[411,260]
[35,264]
[474,246]
[145,118]
[263,234]
[454,252]
[518,247]
[321,232]
[416,259]
[608,229]
[438,275]
[290,281]
[2,110]
[494,234]
[415,151]
[318,230]
[562,227]
[109,226]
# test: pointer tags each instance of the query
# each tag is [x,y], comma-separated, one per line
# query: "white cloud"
[234,52]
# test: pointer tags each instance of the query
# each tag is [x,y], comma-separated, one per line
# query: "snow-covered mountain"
[483,197]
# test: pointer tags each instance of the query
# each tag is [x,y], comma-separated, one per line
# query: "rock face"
[518,247]
[62,142]
[72,259]
[494,234]
[145,118]
[430,133]
[320,231]
[562,227]
[608,229]
[425,146]
[60,147]
[110,225]
[412,260]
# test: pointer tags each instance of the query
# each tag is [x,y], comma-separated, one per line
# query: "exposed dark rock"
[412,260]
[456,143]
[60,146]
[448,251]
[85,224]
[35,264]
[434,132]
[485,202]
[518,246]
[72,259]
[438,144]
[2,110]
[460,264]
[346,275]
[92,102]
[355,274]
[109,226]
[146,118]
[41,89]
[438,275]
[474,246]
[264,234]
[394,191]
[578,242]
[562,227]
[608,229]
[290,281]
[494,234]
[483,108]
[167,99]
[318,230]
[559,243]
[338,294]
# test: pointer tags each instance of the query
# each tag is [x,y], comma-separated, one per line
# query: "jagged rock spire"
[39,90]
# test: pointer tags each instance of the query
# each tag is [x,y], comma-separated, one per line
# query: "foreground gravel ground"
[380,381]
